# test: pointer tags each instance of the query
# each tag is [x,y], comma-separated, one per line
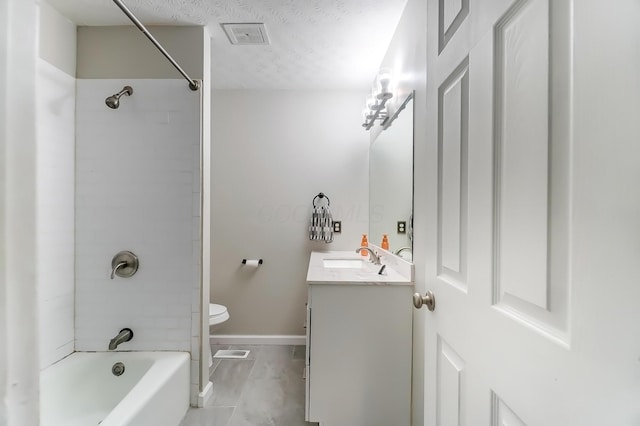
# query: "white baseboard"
[249,339]
[205,395]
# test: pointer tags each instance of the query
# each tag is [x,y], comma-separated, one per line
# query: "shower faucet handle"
[115,269]
[124,264]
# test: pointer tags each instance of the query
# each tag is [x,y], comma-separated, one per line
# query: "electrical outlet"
[402,227]
[337,226]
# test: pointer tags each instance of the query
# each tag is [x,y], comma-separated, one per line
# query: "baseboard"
[205,395]
[249,339]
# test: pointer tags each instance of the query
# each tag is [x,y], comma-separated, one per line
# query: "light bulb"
[384,83]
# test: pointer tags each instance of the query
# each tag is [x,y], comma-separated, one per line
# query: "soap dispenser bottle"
[364,243]
[385,242]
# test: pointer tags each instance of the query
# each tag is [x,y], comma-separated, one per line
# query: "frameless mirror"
[391,184]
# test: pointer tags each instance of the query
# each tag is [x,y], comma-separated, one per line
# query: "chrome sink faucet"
[373,256]
[125,335]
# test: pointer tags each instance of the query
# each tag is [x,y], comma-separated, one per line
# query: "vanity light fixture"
[380,94]
[387,123]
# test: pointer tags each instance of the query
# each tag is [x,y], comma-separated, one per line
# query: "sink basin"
[352,263]
[346,267]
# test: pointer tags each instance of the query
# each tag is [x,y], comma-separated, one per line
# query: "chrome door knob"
[428,300]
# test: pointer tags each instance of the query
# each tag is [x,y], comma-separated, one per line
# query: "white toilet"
[217,314]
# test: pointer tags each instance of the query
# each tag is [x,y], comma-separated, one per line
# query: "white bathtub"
[81,390]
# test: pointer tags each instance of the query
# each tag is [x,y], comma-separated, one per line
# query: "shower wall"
[138,189]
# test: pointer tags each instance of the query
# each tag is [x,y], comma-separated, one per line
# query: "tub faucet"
[125,335]
[373,256]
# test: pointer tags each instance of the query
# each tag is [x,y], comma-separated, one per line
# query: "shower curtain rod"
[193,84]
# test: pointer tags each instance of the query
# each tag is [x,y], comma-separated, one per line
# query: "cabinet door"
[360,355]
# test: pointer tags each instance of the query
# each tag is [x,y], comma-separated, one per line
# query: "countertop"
[367,275]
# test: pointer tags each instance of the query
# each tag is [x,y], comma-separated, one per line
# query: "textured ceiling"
[315,44]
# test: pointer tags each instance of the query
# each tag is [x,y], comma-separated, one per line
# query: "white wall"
[138,189]
[55,121]
[55,217]
[273,152]
[18,316]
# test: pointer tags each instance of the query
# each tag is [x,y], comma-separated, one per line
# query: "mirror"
[391,183]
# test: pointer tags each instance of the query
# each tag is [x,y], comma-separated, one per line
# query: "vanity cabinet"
[359,348]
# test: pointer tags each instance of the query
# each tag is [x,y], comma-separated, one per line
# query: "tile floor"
[266,389]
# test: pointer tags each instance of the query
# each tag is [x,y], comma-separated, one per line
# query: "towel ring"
[321,196]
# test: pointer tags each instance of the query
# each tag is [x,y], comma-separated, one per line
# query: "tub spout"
[125,335]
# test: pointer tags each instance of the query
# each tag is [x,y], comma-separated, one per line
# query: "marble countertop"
[394,273]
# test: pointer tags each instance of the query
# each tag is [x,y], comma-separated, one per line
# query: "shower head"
[113,101]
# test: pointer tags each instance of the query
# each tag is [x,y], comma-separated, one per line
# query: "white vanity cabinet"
[359,353]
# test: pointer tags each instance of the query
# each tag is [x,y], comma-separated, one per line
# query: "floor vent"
[231,353]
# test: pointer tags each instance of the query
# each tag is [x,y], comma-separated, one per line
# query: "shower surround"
[138,189]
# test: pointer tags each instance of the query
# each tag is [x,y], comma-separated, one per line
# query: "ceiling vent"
[247,33]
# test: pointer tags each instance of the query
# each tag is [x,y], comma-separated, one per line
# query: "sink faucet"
[373,256]
[125,335]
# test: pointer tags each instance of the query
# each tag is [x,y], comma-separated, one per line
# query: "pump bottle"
[385,242]
[364,243]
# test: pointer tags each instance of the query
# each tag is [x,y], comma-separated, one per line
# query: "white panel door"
[535,266]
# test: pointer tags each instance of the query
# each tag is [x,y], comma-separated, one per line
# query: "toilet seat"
[217,314]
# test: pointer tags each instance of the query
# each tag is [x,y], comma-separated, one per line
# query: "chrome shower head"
[113,101]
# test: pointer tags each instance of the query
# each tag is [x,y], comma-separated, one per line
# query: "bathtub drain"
[117,369]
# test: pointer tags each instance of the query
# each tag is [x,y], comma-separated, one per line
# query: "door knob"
[428,299]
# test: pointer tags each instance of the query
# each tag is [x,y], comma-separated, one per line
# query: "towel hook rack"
[321,196]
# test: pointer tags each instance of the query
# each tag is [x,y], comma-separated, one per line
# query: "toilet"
[217,314]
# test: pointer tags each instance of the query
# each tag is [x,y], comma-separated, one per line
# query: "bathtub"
[81,389]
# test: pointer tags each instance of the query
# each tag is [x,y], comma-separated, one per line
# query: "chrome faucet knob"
[118,266]
[124,264]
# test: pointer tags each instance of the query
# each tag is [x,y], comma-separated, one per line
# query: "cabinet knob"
[428,299]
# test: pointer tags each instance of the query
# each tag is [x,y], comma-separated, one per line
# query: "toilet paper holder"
[244,261]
